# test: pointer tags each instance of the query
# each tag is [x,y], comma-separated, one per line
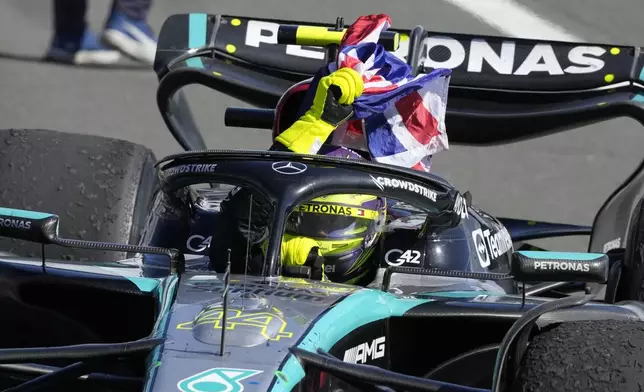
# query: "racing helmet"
[346,228]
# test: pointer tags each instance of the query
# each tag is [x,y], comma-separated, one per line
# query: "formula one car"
[110,288]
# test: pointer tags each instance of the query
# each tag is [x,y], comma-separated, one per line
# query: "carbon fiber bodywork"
[266,318]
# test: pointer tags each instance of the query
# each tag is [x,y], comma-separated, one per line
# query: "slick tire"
[589,356]
[101,188]
[631,283]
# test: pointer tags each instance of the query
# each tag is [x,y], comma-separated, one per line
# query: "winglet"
[560,266]
[27,225]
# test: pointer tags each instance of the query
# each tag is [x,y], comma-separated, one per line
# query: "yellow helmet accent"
[350,198]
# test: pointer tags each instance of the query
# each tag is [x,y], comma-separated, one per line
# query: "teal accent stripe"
[24,213]
[147,285]
[640,97]
[166,291]
[571,256]
[197,26]
[358,309]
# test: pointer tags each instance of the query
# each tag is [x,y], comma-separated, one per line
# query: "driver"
[335,236]
[332,244]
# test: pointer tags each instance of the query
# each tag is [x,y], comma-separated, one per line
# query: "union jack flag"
[400,118]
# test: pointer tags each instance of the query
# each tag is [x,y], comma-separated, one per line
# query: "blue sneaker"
[130,36]
[85,50]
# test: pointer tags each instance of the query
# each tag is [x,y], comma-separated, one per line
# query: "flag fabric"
[400,117]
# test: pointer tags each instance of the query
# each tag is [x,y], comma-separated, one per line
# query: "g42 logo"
[217,379]
[406,257]
[198,243]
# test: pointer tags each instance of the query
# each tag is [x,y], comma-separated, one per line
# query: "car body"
[162,320]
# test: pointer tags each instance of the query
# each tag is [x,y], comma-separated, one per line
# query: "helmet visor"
[328,221]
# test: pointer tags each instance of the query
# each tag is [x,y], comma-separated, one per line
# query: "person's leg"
[128,31]
[74,42]
[69,19]
[135,9]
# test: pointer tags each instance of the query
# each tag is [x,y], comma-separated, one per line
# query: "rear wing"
[501,90]
[498,88]
[477,61]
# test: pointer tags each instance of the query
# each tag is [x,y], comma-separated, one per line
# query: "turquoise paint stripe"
[358,309]
[640,97]
[166,291]
[24,213]
[572,256]
[147,285]
[197,24]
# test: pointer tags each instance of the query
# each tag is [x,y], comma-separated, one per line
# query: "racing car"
[106,282]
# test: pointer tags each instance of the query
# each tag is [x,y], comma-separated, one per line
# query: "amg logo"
[562,266]
[541,58]
[385,182]
[15,223]
[192,168]
[365,351]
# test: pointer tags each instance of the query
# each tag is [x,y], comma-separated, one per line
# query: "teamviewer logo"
[481,249]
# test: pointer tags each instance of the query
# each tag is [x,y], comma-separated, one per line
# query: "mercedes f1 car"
[110,288]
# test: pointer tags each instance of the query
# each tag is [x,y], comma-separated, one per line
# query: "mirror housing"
[39,227]
[42,228]
[538,266]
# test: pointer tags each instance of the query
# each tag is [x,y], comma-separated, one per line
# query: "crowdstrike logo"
[191,168]
[384,182]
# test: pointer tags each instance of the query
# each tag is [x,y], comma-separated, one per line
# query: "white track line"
[514,19]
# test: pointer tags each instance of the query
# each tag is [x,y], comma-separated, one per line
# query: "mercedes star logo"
[289,167]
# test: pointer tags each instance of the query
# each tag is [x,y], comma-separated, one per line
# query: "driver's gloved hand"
[300,252]
[331,107]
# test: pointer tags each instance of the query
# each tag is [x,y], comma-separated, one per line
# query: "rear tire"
[631,283]
[589,356]
[100,187]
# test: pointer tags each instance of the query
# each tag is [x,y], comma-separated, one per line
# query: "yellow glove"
[297,252]
[331,107]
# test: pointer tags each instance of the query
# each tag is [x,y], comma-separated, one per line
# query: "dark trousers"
[69,15]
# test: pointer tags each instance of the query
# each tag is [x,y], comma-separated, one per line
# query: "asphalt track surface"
[564,177]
